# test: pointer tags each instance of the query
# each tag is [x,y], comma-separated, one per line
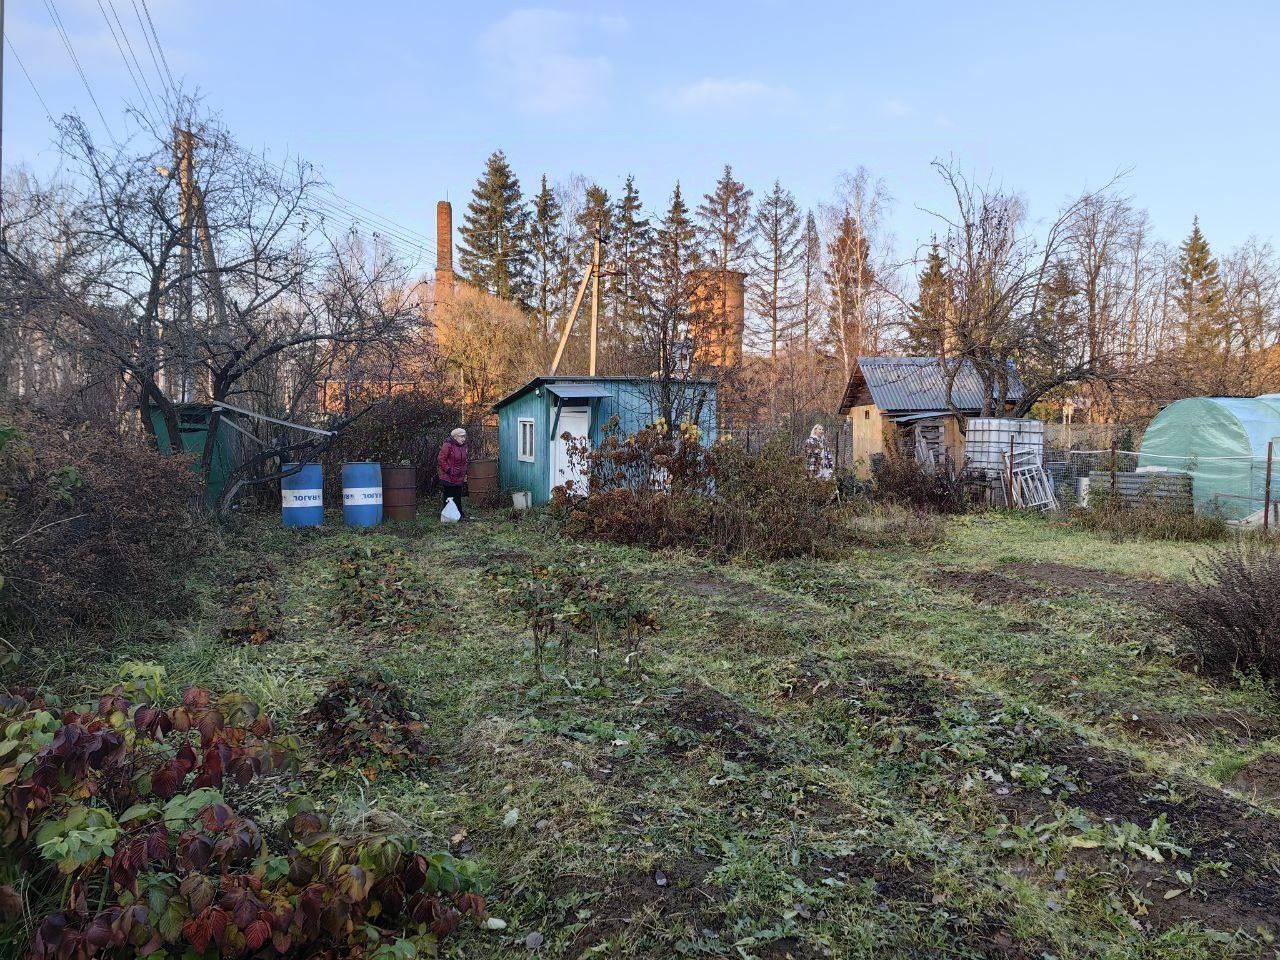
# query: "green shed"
[1222,443]
[193,425]
[532,422]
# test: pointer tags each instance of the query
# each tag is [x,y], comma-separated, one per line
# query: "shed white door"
[575,421]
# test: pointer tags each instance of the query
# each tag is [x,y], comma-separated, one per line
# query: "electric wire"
[51,6]
[150,49]
[160,109]
[142,97]
[163,59]
[34,89]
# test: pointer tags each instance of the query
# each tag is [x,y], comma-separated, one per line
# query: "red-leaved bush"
[118,818]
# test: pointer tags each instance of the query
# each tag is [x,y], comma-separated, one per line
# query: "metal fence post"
[1266,496]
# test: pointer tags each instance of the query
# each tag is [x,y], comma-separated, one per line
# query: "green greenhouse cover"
[1222,443]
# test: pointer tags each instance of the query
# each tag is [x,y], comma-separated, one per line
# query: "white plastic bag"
[450,513]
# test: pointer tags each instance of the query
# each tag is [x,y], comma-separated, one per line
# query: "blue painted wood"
[634,401]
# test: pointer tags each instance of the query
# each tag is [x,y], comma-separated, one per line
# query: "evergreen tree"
[549,260]
[928,318]
[850,282]
[668,296]
[629,246]
[724,222]
[1200,297]
[494,252]
[810,307]
[776,258]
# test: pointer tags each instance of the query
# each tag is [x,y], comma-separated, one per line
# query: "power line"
[34,89]
[163,59]
[142,98]
[150,49]
[133,53]
[51,6]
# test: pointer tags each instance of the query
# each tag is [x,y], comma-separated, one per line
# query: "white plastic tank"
[987,441]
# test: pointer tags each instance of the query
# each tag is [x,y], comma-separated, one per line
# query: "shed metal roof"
[918,384]
[549,382]
[577,391]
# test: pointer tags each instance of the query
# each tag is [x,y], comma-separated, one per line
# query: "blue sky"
[400,102]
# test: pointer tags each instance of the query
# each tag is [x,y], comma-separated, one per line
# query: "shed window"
[526,441]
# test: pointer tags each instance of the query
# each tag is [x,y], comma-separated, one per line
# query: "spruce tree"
[776,258]
[810,280]
[494,251]
[724,222]
[630,244]
[1201,296]
[548,258]
[929,316]
[668,295]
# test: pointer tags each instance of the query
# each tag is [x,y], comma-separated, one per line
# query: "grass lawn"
[986,748]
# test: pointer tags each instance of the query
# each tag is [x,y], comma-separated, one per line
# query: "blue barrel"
[302,496]
[362,494]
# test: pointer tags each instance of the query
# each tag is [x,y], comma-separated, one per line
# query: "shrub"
[118,840]
[563,601]
[902,480]
[660,487]
[404,428]
[1148,518]
[89,523]
[1230,611]
[363,720]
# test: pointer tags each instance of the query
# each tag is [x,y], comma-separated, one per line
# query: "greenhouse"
[1222,442]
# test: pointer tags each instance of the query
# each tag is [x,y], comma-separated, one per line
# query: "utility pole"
[595,301]
[184,144]
[1,123]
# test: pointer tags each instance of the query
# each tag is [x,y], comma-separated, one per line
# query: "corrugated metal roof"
[911,384]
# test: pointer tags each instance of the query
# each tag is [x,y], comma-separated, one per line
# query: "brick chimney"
[444,252]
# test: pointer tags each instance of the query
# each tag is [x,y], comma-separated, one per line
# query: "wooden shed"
[902,404]
[534,420]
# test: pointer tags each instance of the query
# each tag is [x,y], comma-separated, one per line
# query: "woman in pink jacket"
[452,464]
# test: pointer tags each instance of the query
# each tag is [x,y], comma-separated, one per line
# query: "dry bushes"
[661,488]
[1231,610]
[404,428]
[1149,518]
[89,523]
[903,481]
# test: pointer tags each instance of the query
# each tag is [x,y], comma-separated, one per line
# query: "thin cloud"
[720,93]
[535,58]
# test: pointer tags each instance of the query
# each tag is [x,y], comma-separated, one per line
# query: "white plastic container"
[987,441]
[520,499]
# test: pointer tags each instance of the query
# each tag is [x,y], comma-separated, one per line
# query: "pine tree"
[724,222]
[777,256]
[549,261]
[494,252]
[1201,296]
[928,318]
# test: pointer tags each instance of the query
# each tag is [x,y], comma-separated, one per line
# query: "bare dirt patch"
[1065,578]
[987,586]
[1260,778]
[1218,829]
[734,730]
[672,894]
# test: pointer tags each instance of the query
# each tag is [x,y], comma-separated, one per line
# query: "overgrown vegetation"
[122,836]
[903,481]
[364,721]
[1148,518]
[660,487]
[90,524]
[1230,611]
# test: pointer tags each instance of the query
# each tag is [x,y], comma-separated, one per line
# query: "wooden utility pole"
[184,145]
[595,302]
[568,322]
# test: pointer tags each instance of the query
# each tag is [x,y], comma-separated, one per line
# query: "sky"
[398,102]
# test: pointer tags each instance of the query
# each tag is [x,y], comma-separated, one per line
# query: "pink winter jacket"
[453,463]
